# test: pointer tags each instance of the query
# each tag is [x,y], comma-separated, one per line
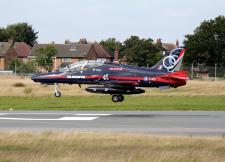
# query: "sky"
[96,20]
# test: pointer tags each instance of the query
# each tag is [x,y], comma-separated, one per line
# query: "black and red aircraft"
[119,79]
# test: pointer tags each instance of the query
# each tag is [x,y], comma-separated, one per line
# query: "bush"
[19,85]
[22,67]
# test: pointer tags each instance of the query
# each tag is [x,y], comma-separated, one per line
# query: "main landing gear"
[57,93]
[117,98]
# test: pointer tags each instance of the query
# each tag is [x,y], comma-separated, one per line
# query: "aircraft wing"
[116,81]
[125,83]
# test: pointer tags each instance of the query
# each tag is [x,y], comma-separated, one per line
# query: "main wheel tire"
[121,98]
[115,98]
[57,94]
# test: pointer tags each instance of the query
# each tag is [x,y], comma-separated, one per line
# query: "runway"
[193,123]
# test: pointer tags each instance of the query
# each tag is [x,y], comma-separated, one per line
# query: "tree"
[22,32]
[44,56]
[4,35]
[28,67]
[207,44]
[22,67]
[14,64]
[141,52]
[111,44]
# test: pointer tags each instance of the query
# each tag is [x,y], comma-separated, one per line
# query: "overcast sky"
[57,20]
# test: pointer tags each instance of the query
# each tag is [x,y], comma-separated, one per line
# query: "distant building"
[71,52]
[23,50]
[167,46]
[10,51]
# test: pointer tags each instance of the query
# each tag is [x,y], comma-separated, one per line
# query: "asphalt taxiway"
[199,123]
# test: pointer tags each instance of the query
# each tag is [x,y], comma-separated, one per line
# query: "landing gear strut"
[117,98]
[57,93]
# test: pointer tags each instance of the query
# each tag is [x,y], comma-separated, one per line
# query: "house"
[10,51]
[7,54]
[71,52]
[23,50]
[167,46]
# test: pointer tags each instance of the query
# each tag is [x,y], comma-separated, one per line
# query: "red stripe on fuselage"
[181,54]
[55,76]
[116,78]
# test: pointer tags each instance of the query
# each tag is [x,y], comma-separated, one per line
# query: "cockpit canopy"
[82,65]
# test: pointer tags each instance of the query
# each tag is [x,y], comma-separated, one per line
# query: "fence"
[206,72]
[212,71]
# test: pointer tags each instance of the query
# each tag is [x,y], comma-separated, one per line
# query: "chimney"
[177,43]
[116,55]
[83,41]
[159,41]
[67,41]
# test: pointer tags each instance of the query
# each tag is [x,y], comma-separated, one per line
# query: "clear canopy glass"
[82,65]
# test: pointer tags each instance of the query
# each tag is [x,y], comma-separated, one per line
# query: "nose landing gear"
[117,98]
[57,93]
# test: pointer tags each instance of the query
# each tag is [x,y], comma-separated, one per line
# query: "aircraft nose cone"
[35,78]
[46,78]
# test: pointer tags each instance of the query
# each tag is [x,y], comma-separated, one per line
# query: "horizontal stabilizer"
[182,75]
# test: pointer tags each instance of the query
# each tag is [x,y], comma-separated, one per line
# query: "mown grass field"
[105,103]
[21,93]
[94,147]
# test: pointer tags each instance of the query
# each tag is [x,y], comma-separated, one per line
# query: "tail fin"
[172,62]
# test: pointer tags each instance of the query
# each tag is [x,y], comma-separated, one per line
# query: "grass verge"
[105,103]
[95,147]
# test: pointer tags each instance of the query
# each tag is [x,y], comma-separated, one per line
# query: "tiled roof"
[66,50]
[168,46]
[77,50]
[22,49]
[4,46]
[101,52]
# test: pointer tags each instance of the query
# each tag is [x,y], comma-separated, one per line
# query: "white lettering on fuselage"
[116,68]
[97,70]
[75,77]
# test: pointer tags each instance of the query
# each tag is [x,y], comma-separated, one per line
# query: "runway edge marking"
[80,117]
[93,114]
[62,119]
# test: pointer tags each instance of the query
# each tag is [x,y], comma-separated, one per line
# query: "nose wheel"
[57,93]
[117,98]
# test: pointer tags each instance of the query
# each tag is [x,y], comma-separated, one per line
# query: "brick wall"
[8,57]
[2,64]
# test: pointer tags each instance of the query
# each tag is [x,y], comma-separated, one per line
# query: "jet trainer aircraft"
[119,79]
